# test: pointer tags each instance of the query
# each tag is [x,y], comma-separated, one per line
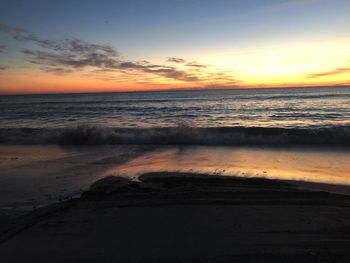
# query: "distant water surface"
[289,109]
[302,107]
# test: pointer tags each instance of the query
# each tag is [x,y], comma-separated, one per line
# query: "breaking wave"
[182,135]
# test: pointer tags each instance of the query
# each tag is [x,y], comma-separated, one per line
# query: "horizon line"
[174,89]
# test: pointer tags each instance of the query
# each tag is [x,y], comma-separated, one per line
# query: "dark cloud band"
[336,71]
[176,60]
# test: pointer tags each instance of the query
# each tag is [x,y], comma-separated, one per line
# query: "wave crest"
[181,135]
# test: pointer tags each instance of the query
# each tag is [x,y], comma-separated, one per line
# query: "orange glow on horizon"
[289,65]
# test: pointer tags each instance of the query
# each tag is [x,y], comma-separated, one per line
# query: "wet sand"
[179,217]
[330,165]
[36,176]
[33,176]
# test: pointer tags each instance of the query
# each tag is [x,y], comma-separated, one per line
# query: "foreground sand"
[35,176]
[172,217]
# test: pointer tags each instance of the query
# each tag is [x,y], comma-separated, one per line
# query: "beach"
[37,175]
[179,217]
[119,203]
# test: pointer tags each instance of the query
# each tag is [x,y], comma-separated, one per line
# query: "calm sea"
[200,117]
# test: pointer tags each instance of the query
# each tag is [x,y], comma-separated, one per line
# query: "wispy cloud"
[72,55]
[65,56]
[183,61]
[57,71]
[54,61]
[2,48]
[336,71]
[196,65]
[5,28]
[71,58]
[71,45]
[161,70]
[176,60]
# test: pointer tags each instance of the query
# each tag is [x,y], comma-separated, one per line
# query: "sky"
[102,46]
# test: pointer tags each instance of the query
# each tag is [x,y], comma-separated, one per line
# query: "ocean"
[316,116]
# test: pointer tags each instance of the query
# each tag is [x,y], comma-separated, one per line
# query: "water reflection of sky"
[323,165]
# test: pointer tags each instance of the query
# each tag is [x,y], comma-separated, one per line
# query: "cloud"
[2,67]
[75,46]
[2,48]
[173,73]
[196,65]
[336,71]
[57,71]
[161,70]
[183,61]
[71,59]
[176,60]
[71,55]
[72,45]
[61,57]
[11,30]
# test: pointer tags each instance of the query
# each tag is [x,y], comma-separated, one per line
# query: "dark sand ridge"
[178,217]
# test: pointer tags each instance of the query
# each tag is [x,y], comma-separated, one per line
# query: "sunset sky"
[92,46]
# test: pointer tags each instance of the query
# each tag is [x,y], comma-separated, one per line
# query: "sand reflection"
[325,165]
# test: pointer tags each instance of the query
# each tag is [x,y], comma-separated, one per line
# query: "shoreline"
[33,176]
